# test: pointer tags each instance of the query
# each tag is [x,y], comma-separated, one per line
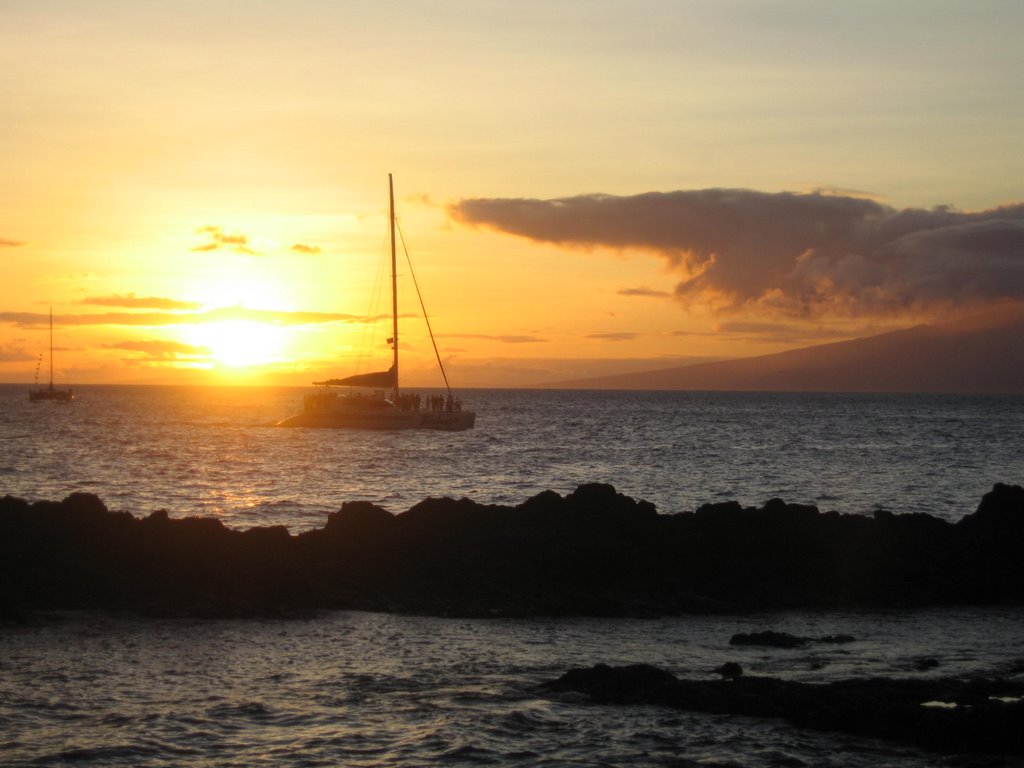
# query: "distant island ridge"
[983,354]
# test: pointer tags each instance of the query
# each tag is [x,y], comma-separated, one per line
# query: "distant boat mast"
[50,393]
[51,346]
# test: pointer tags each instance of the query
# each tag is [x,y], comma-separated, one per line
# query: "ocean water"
[210,451]
[362,689]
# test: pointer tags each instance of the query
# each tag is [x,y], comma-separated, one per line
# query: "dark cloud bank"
[798,254]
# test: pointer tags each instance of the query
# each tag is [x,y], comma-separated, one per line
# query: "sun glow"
[241,343]
[250,287]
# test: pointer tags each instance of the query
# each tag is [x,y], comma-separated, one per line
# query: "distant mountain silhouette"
[980,354]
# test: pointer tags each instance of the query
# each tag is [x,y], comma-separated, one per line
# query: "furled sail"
[376,380]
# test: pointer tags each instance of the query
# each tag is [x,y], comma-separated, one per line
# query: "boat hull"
[52,395]
[449,421]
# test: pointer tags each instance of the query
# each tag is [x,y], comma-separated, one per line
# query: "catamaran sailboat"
[50,393]
[377,402]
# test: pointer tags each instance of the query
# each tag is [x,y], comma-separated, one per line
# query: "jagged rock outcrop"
[592,552]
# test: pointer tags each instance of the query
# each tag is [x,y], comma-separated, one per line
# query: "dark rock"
[635,683]
[988,718]
[1001,509]
[359,518]
[837,639]
[768,638]
[988,541]
[730,669]
[602,499]
[772,639]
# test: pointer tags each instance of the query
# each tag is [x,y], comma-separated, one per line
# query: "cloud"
[4,243]
[306,249]
[155,349]
[781,332]
[648,292]
[519,339]
[12,354]
[130,300]
[756,328]
[157,319]
[613,336]
[507,339]
[801,255]
[218,239]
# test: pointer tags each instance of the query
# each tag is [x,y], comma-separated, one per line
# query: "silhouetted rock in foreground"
[593,552]
[784,639]
[953,716]
[770,639]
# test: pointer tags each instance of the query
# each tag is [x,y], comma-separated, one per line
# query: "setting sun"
[240,343]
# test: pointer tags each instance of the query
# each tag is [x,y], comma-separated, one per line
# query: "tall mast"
[394,281]
[51,346]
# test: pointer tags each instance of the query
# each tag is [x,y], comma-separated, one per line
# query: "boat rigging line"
[423,307]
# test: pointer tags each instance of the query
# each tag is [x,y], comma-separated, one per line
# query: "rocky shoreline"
[593,552]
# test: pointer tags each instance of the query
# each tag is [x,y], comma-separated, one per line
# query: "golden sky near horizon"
[199,190]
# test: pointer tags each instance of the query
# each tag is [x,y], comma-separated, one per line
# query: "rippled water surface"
[209,451]
[378,690]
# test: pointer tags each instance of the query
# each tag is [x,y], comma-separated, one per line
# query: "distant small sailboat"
[384,407]
[50,393]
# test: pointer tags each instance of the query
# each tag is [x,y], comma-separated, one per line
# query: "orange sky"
[199,190]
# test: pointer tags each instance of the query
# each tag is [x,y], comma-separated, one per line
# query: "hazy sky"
[199,188]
